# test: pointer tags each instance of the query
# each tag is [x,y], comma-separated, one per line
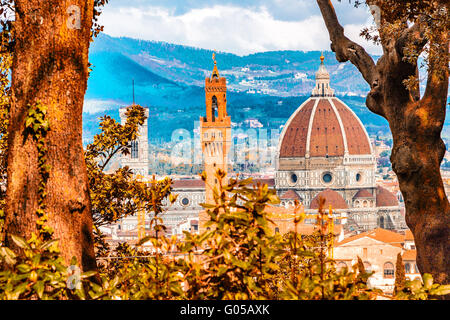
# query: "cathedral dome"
[385,198]
[323,126]
[331,198]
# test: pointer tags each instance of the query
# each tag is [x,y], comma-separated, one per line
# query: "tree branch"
[438,70]
[345,49]
[414,35]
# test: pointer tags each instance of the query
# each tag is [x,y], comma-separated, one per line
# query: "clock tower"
[215,135]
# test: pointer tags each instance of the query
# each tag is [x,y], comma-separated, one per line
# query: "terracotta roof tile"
[385,198]
[331,197]
[363,193]
[357,141]
[188,183]
[289,195]
[409,255]
[409,235]
[326,136]
[379,234]
[294,140]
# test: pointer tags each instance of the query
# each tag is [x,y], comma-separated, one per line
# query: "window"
[134,149]
[367,267]
[388,270]
[214,108]
[365,252]
[327,177]
[294,178]
[185,201]
[407,268]
[358,177]
[277,230]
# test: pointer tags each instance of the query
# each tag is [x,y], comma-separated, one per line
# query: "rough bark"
[51,66]
[416,124]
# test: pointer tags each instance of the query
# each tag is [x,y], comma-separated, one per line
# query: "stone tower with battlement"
[215,135]
[138,158]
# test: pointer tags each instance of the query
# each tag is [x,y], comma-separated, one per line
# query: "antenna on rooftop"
[133,91]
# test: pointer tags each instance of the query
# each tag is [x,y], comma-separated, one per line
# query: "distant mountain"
[169,79]
[279,73]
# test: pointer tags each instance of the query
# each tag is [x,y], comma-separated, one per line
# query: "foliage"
[431,19]
[38,273]
[112,194]
[400,278]
[117,194]
[422,290]
[37,126]
[240,257]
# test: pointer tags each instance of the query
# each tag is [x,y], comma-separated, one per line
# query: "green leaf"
[442,290]
[427,281]
[8,255]
[47,244]
[88,274]
[20,242]
[39,288]
[144,240]
[24,268]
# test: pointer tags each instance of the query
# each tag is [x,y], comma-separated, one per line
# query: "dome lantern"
[322,87]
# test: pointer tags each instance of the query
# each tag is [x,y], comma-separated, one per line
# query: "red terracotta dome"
[385,198]
[323,126]
[331,197]
[290,195]
[363,193]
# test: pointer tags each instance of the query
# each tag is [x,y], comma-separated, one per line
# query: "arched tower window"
[215,108]
[134,150]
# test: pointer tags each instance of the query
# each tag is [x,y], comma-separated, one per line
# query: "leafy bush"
[238,258]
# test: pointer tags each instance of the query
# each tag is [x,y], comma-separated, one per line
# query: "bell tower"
[215,134]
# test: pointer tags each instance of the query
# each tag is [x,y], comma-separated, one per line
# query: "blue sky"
[241,27]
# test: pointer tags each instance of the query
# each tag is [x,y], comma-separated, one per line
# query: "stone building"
[378,249]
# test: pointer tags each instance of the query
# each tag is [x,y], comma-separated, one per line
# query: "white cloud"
[93,106]
[225,28]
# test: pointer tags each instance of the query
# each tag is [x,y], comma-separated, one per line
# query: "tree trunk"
[416,124]
[51,66]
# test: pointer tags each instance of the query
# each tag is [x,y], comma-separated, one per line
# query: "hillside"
[169,79]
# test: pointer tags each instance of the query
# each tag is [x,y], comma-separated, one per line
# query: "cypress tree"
[400,278]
